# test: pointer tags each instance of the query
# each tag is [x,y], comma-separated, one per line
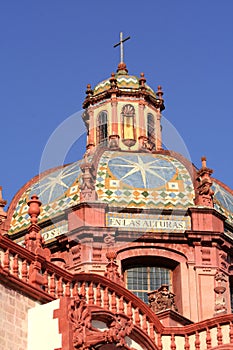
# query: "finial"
[89,91]
[111,255]
[33,239]
[121,46]
[3,215]
[159,93]
[34,208]
[2,201]
[142,80]
[204,169]
[113,81]
[204,192]
[122,69]
[203,162]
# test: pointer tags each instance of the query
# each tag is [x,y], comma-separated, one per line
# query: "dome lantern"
[106,107]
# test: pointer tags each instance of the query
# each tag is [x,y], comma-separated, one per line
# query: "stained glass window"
[144,279]
[102,128]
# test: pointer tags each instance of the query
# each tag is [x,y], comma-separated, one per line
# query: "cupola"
[123,112]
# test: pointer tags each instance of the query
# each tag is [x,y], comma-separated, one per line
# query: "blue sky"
[50,50]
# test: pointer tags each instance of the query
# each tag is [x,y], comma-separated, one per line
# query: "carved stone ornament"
[204,192]
[88,184]
[80,317]
[85,336]
[119,328]
[162,299]
[112,272]
[220,288]
[109,238]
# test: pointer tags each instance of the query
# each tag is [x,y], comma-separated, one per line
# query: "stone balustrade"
[37,276]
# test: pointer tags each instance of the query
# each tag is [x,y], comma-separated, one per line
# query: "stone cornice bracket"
[204,192]
[112,272]
[144,144]
[113,143]
[87,185]
[3,202]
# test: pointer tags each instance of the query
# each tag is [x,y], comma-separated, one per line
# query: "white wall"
[43,330]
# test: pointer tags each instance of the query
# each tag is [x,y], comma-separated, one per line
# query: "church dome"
[143,180]
[57,189]
[123,180]
[124,81]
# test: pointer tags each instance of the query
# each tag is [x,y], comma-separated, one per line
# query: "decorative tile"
[146,180]
[124,82]
[223,201]
[57,191]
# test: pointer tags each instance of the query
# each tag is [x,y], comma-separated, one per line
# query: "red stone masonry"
[14,308]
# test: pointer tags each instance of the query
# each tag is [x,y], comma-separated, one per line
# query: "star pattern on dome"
[56,184]
[146,171]
[143,180]
[223,197]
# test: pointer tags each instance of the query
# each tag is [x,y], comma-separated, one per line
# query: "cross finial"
[121,46]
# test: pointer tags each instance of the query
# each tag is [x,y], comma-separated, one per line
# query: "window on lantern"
[151,128]
[128,115]
[102,128]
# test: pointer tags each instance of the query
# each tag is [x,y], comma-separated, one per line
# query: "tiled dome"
[125,83]
[142,180]
[123,180]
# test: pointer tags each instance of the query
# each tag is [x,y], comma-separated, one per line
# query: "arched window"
[151,128]
[102,128]
[143,279]
[128,113]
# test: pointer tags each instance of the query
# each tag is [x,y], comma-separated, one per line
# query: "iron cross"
[121,45]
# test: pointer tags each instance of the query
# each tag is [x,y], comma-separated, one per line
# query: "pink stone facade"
[137,247]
